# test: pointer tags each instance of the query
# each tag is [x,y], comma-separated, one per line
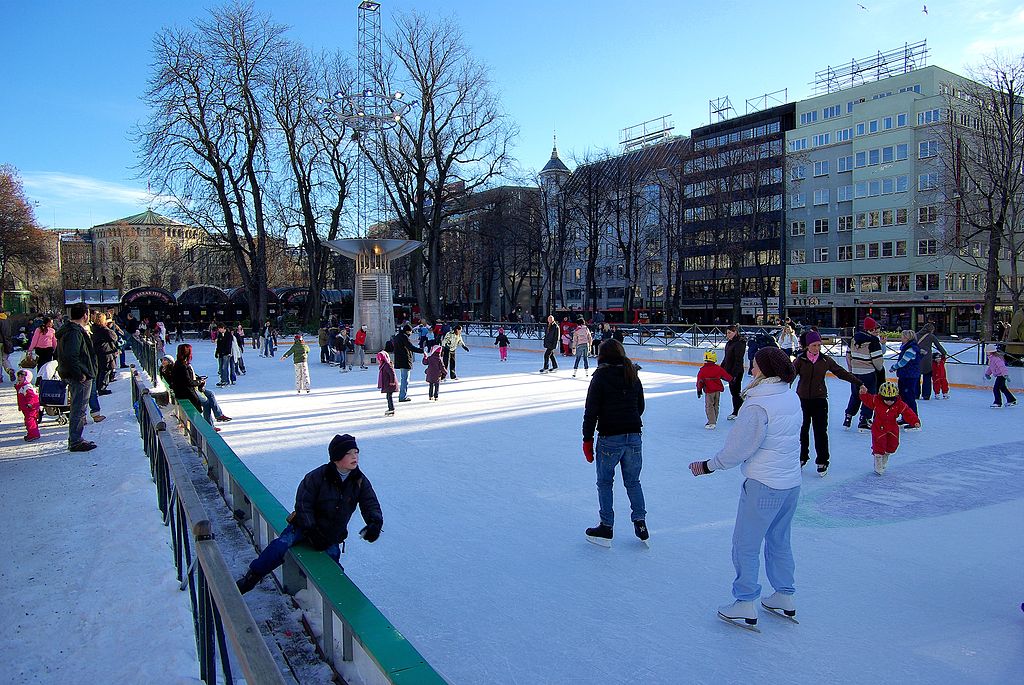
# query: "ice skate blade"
[600,542]
[780,613]
[740,623]
[646,543]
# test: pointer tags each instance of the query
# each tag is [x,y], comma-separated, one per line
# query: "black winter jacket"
[612,407]
[224,344]
[185,385]
[75,357]
[403,346]
[551,336]
[325,502]
[734,351]
[104,343]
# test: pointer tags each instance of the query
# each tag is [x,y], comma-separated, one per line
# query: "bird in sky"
[925,9]
[862,7]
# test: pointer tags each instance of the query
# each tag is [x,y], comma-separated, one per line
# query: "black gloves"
[371,532]
[317,539]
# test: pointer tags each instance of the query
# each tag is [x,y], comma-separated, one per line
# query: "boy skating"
[709,384]
[885,432]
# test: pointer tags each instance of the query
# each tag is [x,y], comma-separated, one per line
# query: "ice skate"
[847,421]
[822,470]
[741,614]
[730,417]
[1011,403]
[781,605]
[640,528]
[600,535]
[389,412]
[879,465]
[995,406]
[864,426]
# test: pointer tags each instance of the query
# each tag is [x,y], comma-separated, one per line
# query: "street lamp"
[706,289]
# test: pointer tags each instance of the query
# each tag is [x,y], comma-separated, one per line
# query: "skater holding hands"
[387,382]
[435,372]
[885,431]
[763,443]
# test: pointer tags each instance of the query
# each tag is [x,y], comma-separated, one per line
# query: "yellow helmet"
[889,390]
[710,356]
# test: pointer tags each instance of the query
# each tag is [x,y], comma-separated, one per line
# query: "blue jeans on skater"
[627,450]
[581,353]
[272,555]
[210,407]
[909,389]
[403,383]
[764,514]
[224,367]
[268,346]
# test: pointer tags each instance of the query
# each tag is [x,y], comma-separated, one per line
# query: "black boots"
[248,581]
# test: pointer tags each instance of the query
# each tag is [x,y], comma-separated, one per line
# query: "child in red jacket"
[709,383]
[885,432]
[28,403]
[939,382]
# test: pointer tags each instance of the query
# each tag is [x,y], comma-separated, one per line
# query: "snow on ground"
[88,571]
[912,577]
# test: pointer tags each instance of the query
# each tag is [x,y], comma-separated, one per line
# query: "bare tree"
[206,139]
[589,209]
[981,164]
[455,140]
[21,240]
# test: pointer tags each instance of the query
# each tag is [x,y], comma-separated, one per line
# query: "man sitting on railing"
[324,503]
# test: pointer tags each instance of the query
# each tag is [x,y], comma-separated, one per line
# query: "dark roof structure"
[554,164]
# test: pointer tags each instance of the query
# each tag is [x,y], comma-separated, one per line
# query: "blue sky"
[74,72]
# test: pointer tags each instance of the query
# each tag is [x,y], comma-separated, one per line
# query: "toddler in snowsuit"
[502,342]
[709,384]
[435,371]
[939,382]
[885,432]
[997,368]
[299,351]
[387,382]
[28,403]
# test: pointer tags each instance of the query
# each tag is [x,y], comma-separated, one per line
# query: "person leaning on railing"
[185,385]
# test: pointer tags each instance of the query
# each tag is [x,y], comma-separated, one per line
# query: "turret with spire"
[554,173]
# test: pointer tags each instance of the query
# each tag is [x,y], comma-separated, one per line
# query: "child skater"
[885,432]
[436,371]
[709,383]
[298,352]
[386,380]
[939,382]
[997,368]
[28,403]
[502,342]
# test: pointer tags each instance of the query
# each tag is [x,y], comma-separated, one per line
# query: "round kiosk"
[150,302]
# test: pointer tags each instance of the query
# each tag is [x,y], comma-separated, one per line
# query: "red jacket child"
[28,403]
[710,377]
[360,336]
[939,381]
[885,432]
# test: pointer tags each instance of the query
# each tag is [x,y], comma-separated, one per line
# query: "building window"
[887,249]
[821,168]
[845,223]
[821,286]
[927,148]
[928,214]
[845,253]
[798,257]
[887,123]
[901,120]
[798,200]
[820,226]
[928,181]
[874,250]
[845,163]
[844,135]
[844,193]
[845,284]
[926,282]
[870,284]
[898,283]
[927,248]
[862,159]
[819,139]
[797,144]
[798,228]
[820,254]
[798,286]
[860,129]
[808,117]
[873,126]
[860,251]
[821,196]
[830,112]
[798,172]
[901,248]
[930,116]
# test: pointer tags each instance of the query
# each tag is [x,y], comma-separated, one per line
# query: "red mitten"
[700,468]
[588,449]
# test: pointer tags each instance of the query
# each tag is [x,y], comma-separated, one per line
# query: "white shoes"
[739,611]
[881,461]
[710,426]
[780,602]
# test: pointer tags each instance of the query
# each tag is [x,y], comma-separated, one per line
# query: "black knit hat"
[340,445]
[774,362]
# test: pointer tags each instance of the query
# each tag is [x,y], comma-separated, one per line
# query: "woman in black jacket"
[187,386]
[104,345]
[615,402]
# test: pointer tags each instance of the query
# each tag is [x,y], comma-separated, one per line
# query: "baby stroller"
[53,393]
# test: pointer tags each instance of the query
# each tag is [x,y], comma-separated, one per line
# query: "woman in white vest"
[765,444]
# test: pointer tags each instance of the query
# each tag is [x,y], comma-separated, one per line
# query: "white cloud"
[68,187]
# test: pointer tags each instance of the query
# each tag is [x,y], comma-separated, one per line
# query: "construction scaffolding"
[873,68]
[645,133]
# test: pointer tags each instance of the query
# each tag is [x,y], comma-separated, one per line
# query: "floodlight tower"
[368,112]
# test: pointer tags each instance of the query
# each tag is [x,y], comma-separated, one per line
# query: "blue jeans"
[626,450]
[581,353]
[340,358]
[94,398]
[268,346]
[79,395]
[225,370]
[210,407]
[403,383]
[909,389]
[764,514]
[272,555]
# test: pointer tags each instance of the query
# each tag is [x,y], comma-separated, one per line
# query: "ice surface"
[483,564]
